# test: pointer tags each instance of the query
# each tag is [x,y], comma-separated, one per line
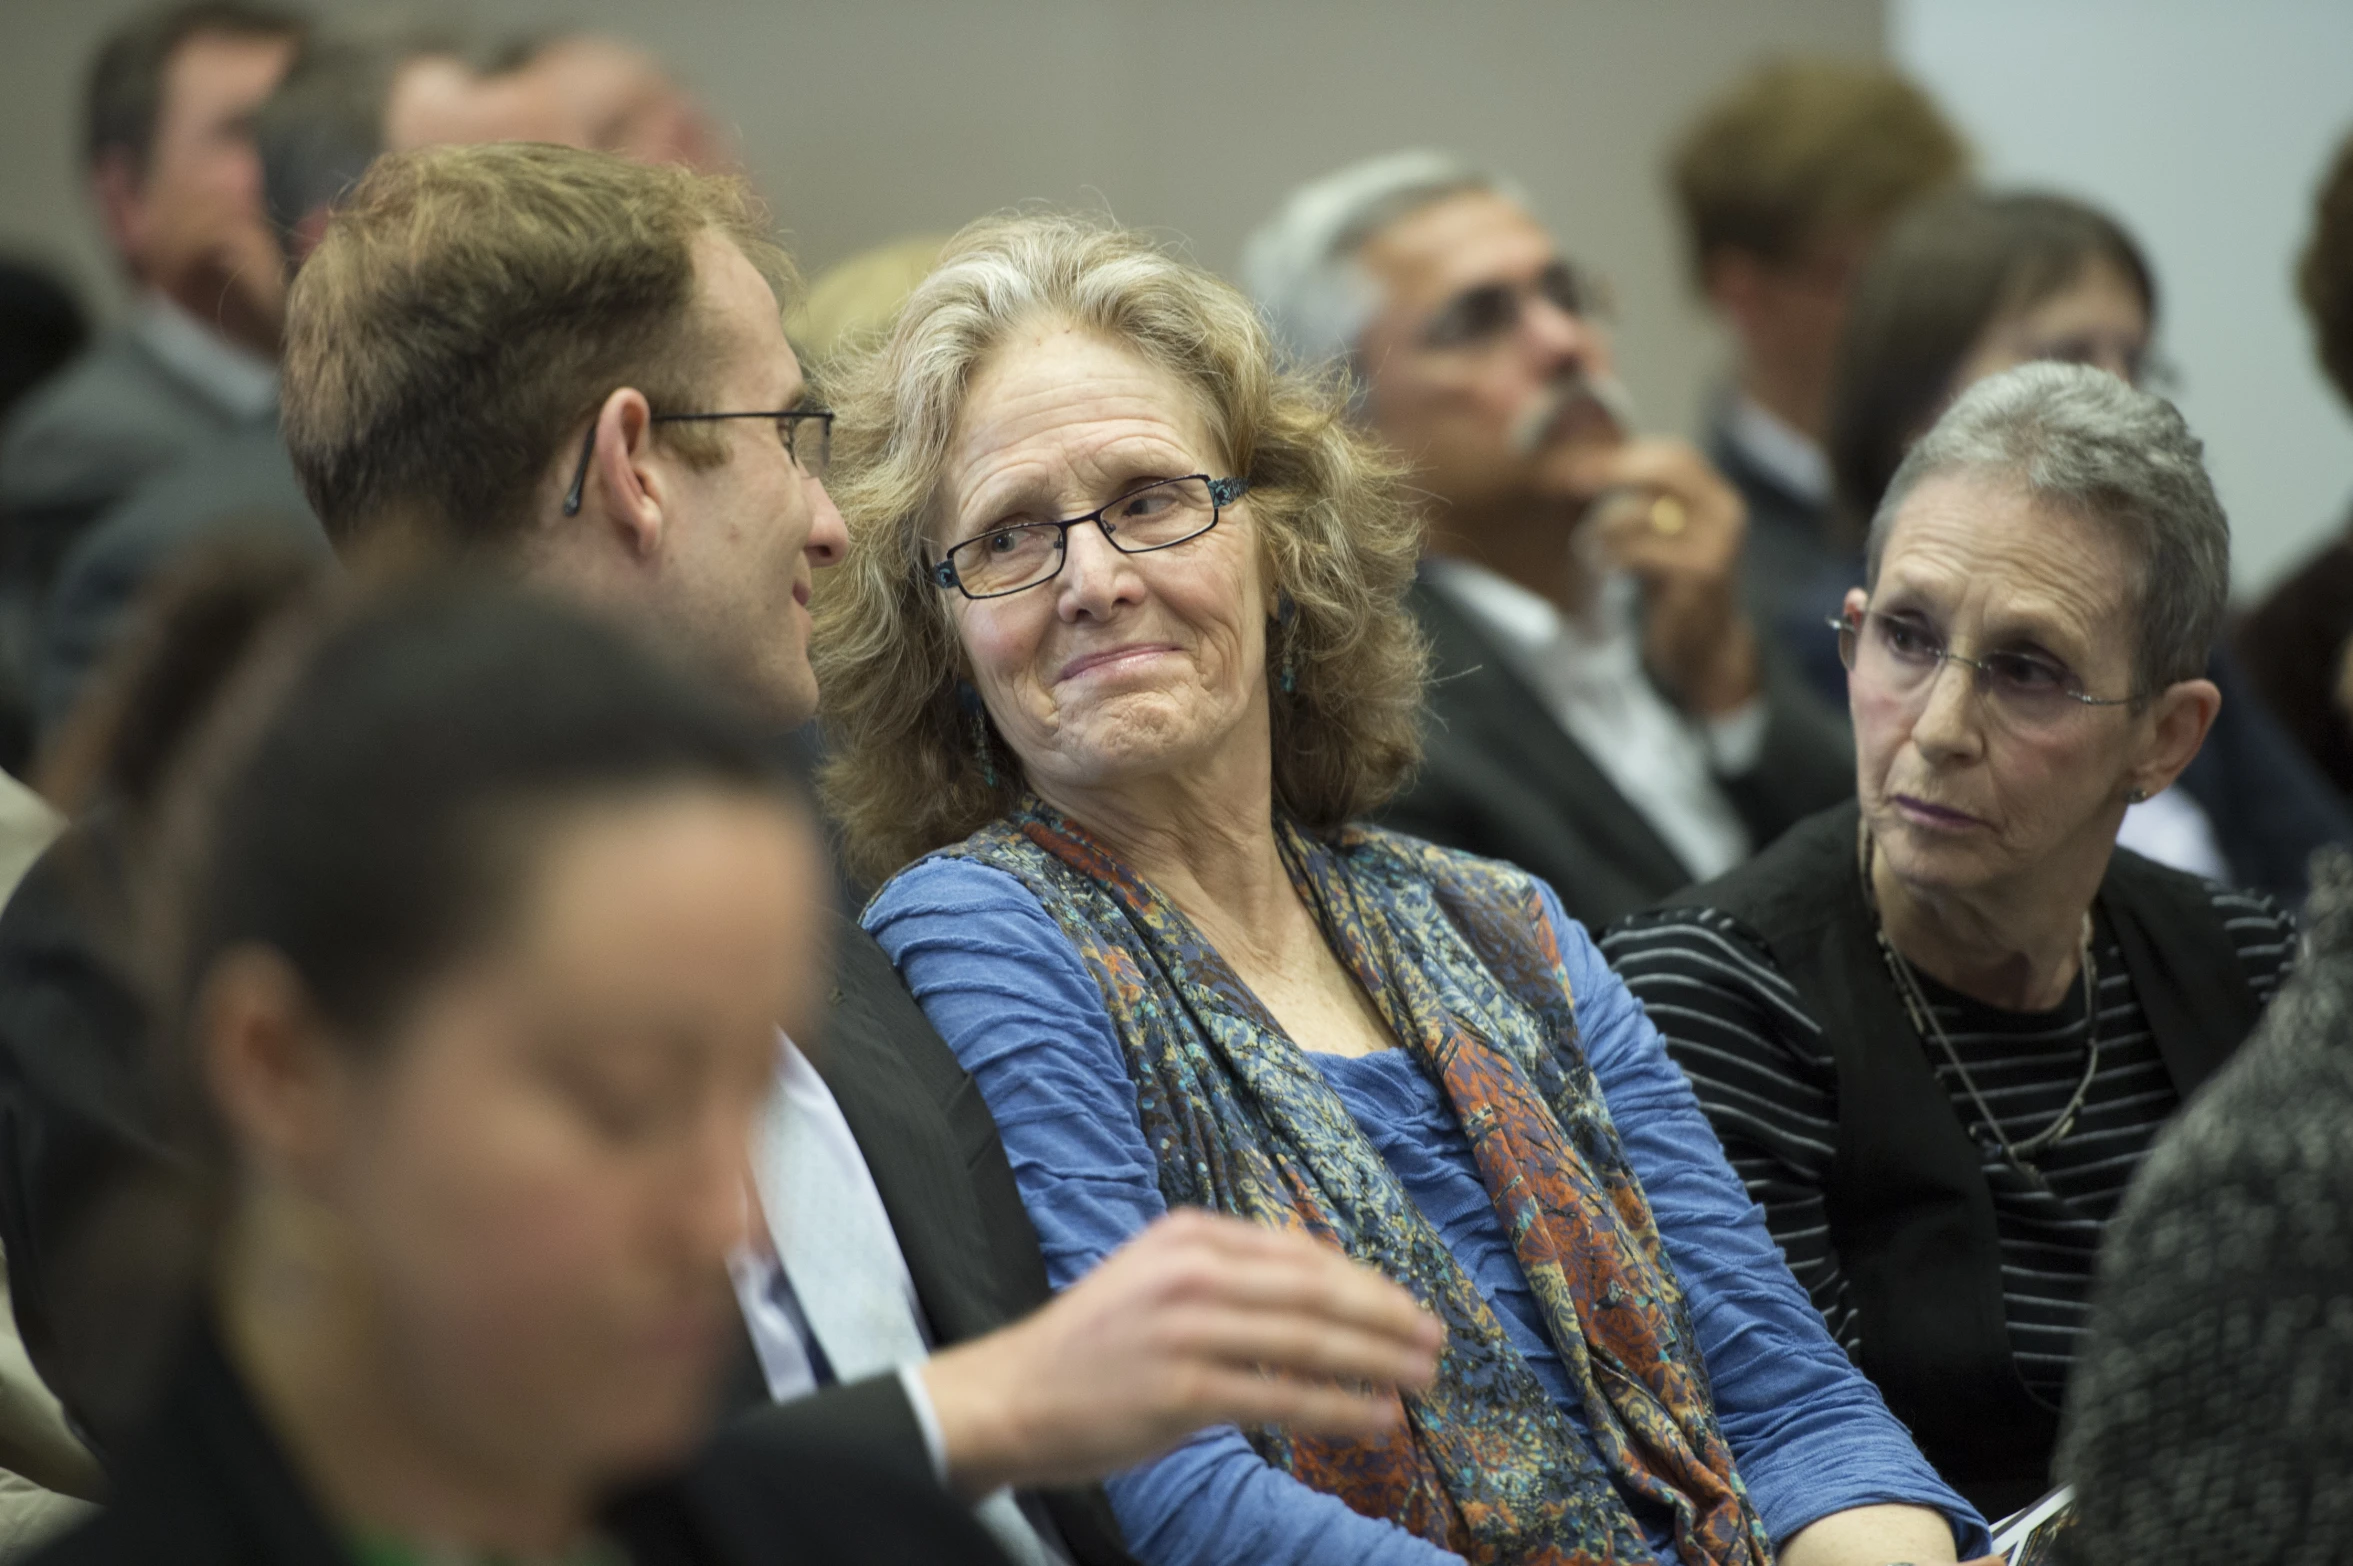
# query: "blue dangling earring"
[969,699]
[1287,677]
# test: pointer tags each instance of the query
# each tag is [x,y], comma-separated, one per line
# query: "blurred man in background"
[614,96]
[1601,712]
[178,187]
[178,184]
[1784,184]
[2298,643]
[344,101]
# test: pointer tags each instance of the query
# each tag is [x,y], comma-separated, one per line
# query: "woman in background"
[1976,284]
[478,931]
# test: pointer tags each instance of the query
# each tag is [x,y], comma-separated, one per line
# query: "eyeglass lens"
[1009,559]
[1902,656]
[1484,314]
[809,440]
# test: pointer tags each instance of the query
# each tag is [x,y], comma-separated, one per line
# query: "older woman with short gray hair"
[1938,1026]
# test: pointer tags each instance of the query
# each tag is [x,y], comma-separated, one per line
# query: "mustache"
[1578,388]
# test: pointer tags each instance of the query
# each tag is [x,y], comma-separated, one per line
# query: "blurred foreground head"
[480,920]
[2324,274]
[2211,1414]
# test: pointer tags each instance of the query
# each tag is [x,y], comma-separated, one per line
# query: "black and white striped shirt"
[1765,1077]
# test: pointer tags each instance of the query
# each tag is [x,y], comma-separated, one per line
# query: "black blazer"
[209,1485]
[1501,777]
[944,1179]
[89,1236]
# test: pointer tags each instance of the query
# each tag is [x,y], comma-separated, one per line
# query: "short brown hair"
[1800,147]
[2324,277]
[468,310]
[905,775]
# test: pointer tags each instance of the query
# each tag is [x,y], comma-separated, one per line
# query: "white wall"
[2205,127]
[865,120]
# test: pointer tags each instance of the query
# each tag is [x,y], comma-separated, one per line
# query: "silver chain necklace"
[2022,1154]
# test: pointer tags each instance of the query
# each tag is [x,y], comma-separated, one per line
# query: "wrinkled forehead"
[1982,548]
[1470,239]
[1057,397]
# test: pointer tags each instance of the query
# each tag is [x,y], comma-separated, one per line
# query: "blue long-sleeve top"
[1007,991]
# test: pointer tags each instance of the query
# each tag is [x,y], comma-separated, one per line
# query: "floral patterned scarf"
[1461,963]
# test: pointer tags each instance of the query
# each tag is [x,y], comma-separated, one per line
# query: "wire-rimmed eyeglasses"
[1901,654]
[1159,515]
[810,448]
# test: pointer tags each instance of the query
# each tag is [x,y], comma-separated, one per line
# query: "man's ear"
[270,1064]
[626,487]
[2182,713]
[118,189]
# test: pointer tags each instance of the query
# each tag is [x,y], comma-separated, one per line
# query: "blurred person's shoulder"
[105,421]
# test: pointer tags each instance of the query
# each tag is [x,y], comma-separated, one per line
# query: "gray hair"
[2082,442]
[1300,265]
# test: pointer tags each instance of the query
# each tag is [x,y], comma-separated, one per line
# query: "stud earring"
[970,701]
[2134,796]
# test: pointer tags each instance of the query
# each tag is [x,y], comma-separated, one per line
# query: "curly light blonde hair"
[906,772]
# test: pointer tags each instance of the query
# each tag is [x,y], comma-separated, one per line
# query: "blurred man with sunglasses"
[1602,713]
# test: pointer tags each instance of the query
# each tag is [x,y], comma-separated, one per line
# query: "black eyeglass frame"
[1850,635]
[788,429]
[1223,492]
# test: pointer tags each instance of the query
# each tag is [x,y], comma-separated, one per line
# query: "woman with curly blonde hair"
[1119,654]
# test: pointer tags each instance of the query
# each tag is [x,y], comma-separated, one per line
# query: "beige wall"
[867,119]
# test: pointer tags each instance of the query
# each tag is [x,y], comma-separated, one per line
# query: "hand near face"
[1669,518]
[1200,1320]
[222,263]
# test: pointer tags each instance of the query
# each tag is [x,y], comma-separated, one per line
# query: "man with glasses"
[575,367]
[571,368]
[1602,712]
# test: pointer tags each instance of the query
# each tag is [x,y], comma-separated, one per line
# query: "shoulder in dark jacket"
[209,1485]
[1502,778]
